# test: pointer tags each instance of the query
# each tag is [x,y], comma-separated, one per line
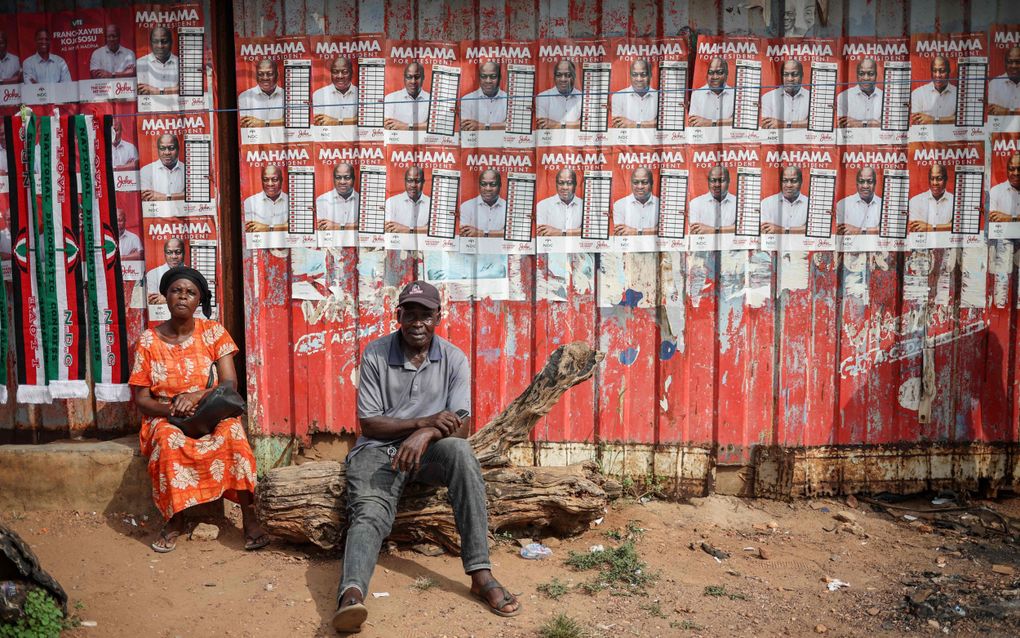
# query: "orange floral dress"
[186,472]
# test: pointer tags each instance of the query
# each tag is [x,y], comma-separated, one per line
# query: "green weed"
[562,626]
[554,589]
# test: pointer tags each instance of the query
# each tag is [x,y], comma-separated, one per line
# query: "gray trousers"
[373,489]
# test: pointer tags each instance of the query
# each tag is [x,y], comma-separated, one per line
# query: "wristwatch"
[162,91]
[486,127]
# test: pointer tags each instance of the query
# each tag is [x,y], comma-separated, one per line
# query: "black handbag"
[222,403]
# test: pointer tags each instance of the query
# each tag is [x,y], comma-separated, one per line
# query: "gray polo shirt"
[389,385]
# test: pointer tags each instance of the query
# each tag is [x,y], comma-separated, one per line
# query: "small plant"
[554,589]
[633,531]
[719,590]
[562,626]
[79,605]
[503,537]
[688,625]
[43,618]
[618,566]
[423,583]
[654,609]
[614,534]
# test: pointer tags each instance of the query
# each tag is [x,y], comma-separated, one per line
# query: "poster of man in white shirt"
[158,70]
[336,104]
[408,212]
[266,211]
[932,210]
[562,213]
[163,180]
[408,108]
[485,216]
[860,213]
[1004,198]
[860,106]
[261,106]
[786,212]
[1004,92]
[934,102]
[560,106]
[337,209]
[123,154]
[714,212]
[173,256]
[46,78]
[638,212]
[10,65]
[712,103]
[484,109]
[112,60]
[637,106]
[787,106]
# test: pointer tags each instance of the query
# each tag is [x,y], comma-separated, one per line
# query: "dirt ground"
[902,578]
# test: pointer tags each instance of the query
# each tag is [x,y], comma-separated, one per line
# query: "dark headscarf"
[192,275]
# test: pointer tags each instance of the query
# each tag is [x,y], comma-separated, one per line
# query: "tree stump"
[306,503]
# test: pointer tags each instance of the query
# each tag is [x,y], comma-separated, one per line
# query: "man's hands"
[428,430]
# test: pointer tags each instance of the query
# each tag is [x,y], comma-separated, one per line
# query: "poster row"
[153,57]
[589,92]
[626,199]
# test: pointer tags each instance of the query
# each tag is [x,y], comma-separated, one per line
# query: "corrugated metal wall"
[700,367]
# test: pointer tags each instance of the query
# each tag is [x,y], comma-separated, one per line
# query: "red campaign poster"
[801,109]
[497,201]
[873,105]
[176,159]
[132,248]
[422,193]
[573,211]
[572,93]
[339,181]
[278,195]
[724,191]
[638,188]
[1004,78]
[648,88]
[10,65]
[261,94]
[5,208]
[106,62]
[348,78]
[947,183]
[874,194]
[947,102]
[1004,191]
[124,142]
[422,85]
[49,59]
[798,193]
[497,88]
[174,241]
[174,61]
[725,103]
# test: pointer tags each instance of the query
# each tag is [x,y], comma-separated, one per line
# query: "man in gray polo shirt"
[413,406]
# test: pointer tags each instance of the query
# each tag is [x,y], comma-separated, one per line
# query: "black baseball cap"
[419,292]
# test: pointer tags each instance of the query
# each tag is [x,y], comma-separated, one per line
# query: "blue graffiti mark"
[628,356]
[631,298]
[666,350]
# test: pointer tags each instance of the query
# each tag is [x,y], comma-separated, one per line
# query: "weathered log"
[305,503]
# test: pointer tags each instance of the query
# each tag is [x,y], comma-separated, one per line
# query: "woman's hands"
[184,404]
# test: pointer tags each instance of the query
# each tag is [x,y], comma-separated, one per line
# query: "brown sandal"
[507,599]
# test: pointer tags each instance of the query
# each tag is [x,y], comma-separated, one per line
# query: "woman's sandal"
[169,541]
[507,599]
[252,544]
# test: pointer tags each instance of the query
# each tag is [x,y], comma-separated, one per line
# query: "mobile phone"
[462,414]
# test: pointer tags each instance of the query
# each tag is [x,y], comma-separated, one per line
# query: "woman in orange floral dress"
[169,378]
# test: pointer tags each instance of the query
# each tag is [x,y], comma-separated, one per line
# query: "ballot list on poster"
[598,191]
[301,206]
[969,184]
[672,94]
[371,98]
[970,94]
[822,203]
[747,99]
[203,259]
[896,97]
[197,184]
[443,210]
[443,100]
[895,202]
[520,201]
[672,209]
[372,206]
[821,110]
[297,76]
[520,95]
[191,61]
[748,201]
[595,102]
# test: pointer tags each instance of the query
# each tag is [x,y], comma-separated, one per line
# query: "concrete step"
[94,476]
